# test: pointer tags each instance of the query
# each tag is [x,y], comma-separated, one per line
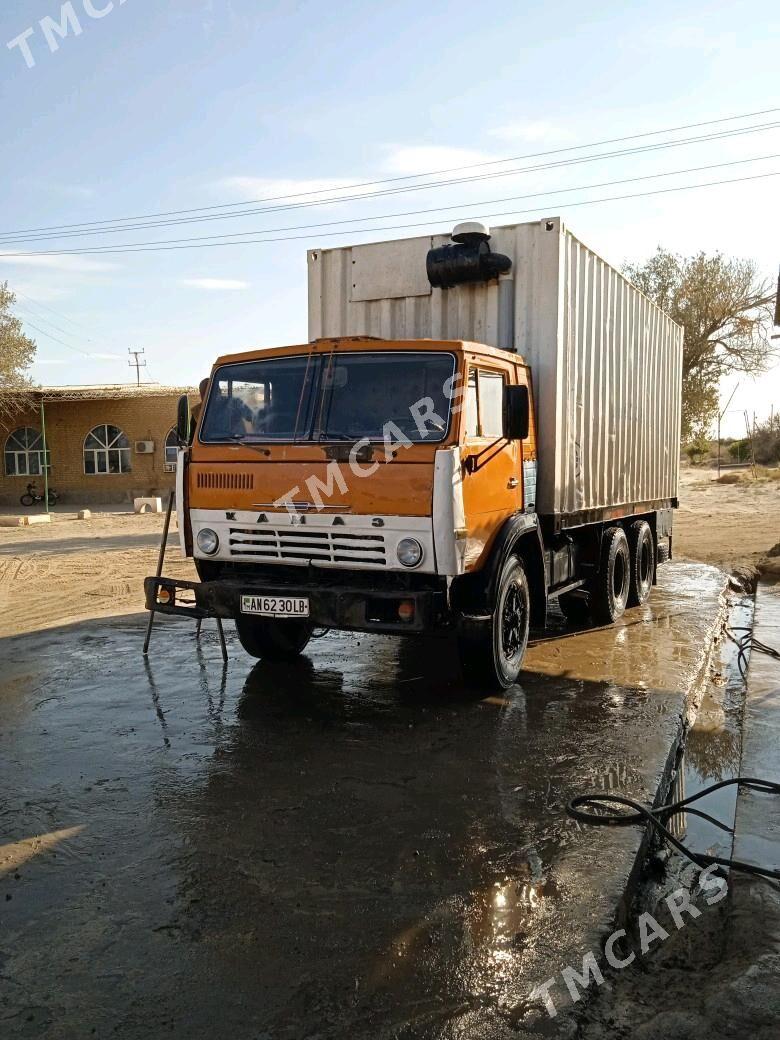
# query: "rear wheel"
[52,498]
[27,500]
[640,540]
[609,593]
[273,640]
[491,654]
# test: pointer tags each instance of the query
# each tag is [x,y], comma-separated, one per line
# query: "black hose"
[658,817]
[749,642]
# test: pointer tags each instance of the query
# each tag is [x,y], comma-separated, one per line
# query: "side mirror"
[183,421]
[517,413]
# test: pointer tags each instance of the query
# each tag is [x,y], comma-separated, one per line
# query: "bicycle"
[33,495]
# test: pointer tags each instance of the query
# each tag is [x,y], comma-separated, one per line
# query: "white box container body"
[606,362]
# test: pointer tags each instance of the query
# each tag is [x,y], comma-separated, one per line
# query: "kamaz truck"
[477,426]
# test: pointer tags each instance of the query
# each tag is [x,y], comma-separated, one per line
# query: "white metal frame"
[125,463]
[25,453]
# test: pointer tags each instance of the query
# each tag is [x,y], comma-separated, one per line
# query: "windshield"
[331,397]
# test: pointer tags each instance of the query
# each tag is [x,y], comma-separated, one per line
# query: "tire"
[642,546]
[609,593]
[273,640]
[491,653]
[27,500]
[574,608]
[53,498]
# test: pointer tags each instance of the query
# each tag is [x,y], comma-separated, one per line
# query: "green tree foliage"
[766,442]
[16,354]
[740,450]
[724,309]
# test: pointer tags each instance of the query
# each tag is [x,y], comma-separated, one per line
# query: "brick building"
[104,443]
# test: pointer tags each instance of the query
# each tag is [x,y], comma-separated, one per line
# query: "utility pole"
[136,364]
[720,416]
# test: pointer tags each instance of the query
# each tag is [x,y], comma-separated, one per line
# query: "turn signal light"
[164,596]
[406,610]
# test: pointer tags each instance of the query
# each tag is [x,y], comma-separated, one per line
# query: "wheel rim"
[513,621]
[619,574]
[644,562]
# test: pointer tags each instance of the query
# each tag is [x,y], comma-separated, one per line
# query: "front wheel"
[273,640]
[52,498]
[27,500]
[491,653]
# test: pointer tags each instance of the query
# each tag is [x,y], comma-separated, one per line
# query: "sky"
[157,106]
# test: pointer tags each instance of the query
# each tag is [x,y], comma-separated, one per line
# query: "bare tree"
[725,310]
[16,354]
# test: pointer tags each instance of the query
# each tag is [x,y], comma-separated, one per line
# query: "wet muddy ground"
[351,846]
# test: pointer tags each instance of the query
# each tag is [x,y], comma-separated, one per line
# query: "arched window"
[106,450]
[171,450]
[24,453]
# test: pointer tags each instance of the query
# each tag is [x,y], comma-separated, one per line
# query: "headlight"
[409,552]
[208,541]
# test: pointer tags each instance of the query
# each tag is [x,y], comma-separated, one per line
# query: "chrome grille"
[297,544]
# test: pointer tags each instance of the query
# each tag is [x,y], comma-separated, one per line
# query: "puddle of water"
[713,748]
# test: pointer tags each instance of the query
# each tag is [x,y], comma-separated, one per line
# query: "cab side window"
[491,404]
[472,407]
[485,404]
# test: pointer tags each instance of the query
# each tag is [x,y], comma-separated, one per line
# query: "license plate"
[276,606]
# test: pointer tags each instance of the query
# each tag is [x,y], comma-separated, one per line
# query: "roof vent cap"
[470,231]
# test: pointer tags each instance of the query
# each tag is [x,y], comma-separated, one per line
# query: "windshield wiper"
[335,435]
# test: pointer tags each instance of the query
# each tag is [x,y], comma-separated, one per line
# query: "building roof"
[104,392]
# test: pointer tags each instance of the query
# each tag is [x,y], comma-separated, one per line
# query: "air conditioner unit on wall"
[144,447]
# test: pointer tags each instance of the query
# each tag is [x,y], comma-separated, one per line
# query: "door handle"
[512,482]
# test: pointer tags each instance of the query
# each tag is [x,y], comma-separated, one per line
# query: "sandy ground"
[725,524]
[73,569]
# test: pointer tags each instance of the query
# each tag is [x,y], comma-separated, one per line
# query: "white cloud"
[251,189]
[37,292]
[214,284]
[532,131]
[691,36]
[70,360]
[68,191]
[416,159]
[77,264]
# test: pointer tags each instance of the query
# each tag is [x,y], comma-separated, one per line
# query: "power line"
[440,209]
[201,244]
[48,321]
[59,314]
[56,339]
[81,230]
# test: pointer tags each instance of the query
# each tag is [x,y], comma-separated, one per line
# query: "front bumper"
[356,609]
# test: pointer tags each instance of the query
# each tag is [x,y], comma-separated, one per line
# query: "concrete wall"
[69,422]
